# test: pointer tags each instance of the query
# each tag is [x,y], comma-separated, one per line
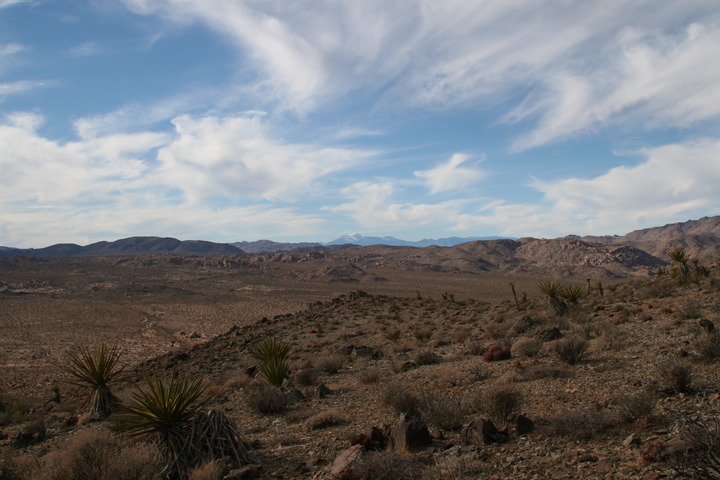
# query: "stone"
[243,473]
[481,432]
[345,460]
[523,425]
[410,434]
[632,440]
[322,391]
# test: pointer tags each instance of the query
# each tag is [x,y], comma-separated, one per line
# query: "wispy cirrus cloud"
[451,175]
[561,68]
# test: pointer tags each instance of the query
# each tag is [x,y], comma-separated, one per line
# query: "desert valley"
[575,357]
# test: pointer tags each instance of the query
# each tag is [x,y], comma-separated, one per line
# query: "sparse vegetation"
[499,402]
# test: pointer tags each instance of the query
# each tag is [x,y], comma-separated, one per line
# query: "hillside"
[636,401]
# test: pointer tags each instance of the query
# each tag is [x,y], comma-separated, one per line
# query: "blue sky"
[300,121]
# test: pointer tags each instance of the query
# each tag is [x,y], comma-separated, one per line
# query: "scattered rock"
[410,434]
[345,460]
[632,440]
[243,473]
[481,432]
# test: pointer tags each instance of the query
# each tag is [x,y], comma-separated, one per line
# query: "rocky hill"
[700,237]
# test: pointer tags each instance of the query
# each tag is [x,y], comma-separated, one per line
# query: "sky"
[231,120]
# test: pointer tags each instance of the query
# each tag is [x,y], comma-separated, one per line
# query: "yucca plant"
[553,289]
[681,271]
[272,355]
[572,293]
[95,370]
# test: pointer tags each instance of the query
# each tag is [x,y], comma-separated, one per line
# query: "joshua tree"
[512,287]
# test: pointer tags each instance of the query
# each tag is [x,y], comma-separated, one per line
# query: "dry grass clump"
[306,376]
[96,454]
[402,398]
[581,424]
[426,357]
[526,347]
[700,457]
[266,399]
[689,309]
[384,466]
[571,349]
[324,420]
[446,411]
[633,407]
[331,364]
[499,402]
[708,345]
[370,375]
[210,470]
[676,375]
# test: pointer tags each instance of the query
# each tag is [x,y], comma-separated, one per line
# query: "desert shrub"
[700,456]
[426,357]
[544,371]
[688,309]
[324,420]
[708,345]
[402,398]
[272,355]
[393,335]
[521,326]
[633,407]
[422,335]
[571,349]
[474,348]
[14,412]
[370,375]
[581,424]
[526,347]
[499,402]
[675,374]
[384,466]
[446,411]
[210,470]
[306,376]
[173,413]
[267,399]
[95,370]
[97,454]
[496,352]
[331,364]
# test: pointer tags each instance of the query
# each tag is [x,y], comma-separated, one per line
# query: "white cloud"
[86,49]
[10,3]
[39,171]
[234,157]
[672,183]
[585,64]
[450,175]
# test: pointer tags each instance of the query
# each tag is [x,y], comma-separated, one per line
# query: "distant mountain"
[268,246]
[361,240]
[125,246]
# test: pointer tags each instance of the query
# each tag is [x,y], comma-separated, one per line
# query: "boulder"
[410,434]
[482,431]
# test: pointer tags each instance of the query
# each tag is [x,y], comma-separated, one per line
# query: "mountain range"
[640,250]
